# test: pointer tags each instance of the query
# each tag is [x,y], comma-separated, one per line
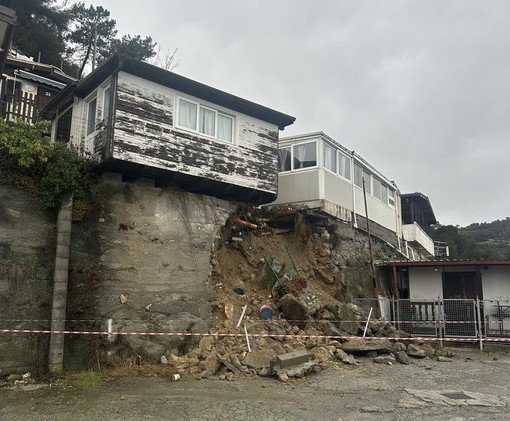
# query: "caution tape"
[242,335]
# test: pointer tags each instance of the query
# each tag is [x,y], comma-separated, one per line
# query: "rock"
[402,357]
[206,343]
[371,354]
[260,358]
[362,345]
[323,354]
[212,363]
[398,346]
[330,329]
[324,314]
[11,378]
[123,298]
[384,359]
[345,358]
[229,311]
[229,376]
[442,359]
[283,377]
[163,360]
[293,308]
[353,315]
[264,372]
[415,351]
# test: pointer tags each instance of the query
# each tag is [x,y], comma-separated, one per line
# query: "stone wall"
[27,250]
[142,258]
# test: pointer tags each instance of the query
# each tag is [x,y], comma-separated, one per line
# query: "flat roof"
[171,80]
[443,262]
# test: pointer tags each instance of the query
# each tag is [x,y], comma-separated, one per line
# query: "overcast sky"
[419,88]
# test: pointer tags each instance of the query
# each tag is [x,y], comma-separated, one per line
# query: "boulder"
[416,351]
[352,317]
[259,358]
[323,354]
[293,308]
[402,357]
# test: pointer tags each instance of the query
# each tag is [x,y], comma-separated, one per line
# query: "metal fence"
[444,318]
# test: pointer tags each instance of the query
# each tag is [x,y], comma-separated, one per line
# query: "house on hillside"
[143,121]
[28,86]
[317,172]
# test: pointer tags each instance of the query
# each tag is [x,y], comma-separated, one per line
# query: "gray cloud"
[418,88]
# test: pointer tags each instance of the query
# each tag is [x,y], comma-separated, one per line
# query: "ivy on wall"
[46,169]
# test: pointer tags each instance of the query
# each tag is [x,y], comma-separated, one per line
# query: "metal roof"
[171,80]
[443,262]
[40,79]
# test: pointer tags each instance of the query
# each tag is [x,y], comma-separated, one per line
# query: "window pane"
[225,124]
[384,194]
[368,183]
[187,114]
[358,175]
[207,122]
[391,197]
[284,159]
[329,158]
[377,188]
[106,102]
[305,155]
[344,166]
[91,116]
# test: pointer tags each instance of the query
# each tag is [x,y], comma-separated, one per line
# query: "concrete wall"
[27,246]
[152,246]
[425,283]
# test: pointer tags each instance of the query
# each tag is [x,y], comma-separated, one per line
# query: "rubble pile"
[282,295]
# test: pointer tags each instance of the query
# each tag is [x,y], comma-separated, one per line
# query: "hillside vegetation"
[487,240]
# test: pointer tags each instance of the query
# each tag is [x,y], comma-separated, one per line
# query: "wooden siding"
[145,134]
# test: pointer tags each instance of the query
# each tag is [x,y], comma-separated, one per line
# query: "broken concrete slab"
[362,345]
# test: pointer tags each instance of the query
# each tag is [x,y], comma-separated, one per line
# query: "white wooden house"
[144,121]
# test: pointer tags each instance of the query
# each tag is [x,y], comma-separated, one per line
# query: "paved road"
[474,386]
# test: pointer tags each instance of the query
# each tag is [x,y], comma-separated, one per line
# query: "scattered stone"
[323,354]
[402,357]
[283,377]
[11,378]
[345,358]
[415,351]
[163,360]
[384,359]
[123,298]
[442,359]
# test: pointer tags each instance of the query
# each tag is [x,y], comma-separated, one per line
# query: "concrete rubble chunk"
[293,358]
[361,345]
[345,358]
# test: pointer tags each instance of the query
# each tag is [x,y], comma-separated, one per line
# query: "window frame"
[217,112]
[88,101]
[348,170]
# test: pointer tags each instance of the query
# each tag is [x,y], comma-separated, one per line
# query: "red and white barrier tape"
[242,335]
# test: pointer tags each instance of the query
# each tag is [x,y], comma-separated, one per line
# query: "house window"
[344,166]
[358,176]
[91,115]
[187,114]
[377,188]
[391,197]
[329,158]
[305,155]
[284,160]
[384,194]
[204,120]
[107,100]
[368,183]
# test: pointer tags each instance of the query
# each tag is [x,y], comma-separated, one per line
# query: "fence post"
[479,321]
